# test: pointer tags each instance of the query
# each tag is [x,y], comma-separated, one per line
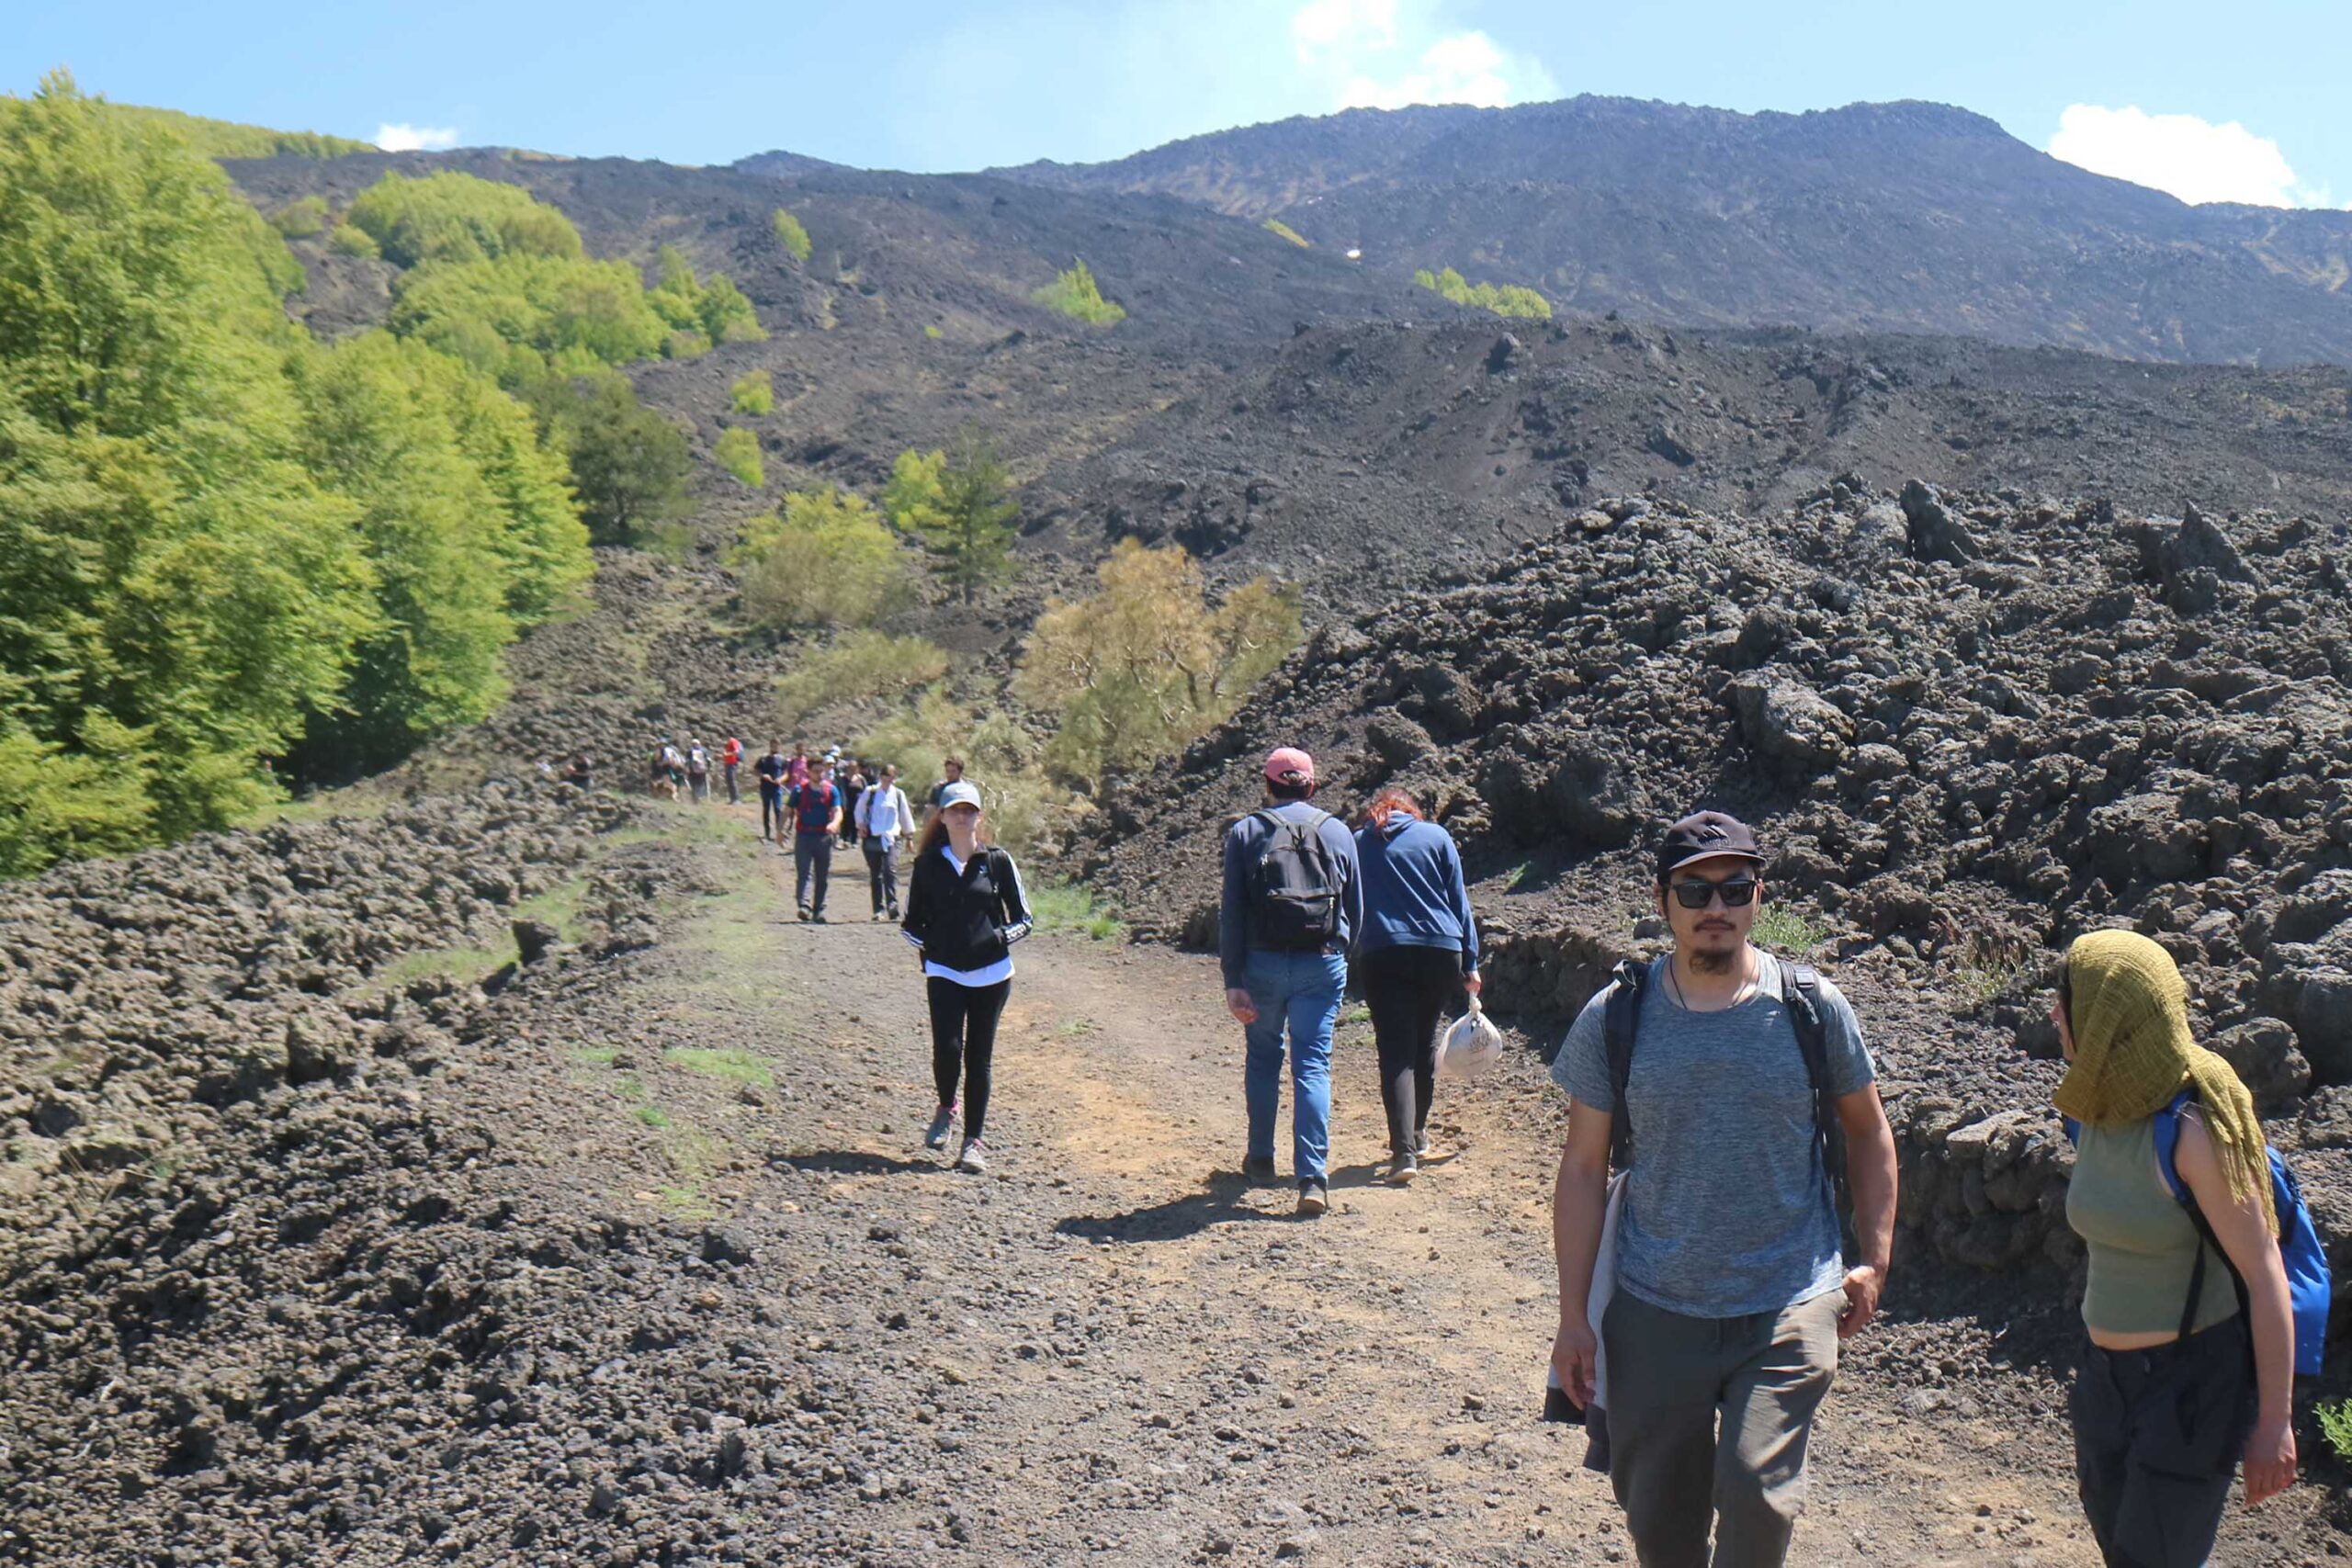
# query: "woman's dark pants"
[963,1043]
[1407,989]
[2157,1436]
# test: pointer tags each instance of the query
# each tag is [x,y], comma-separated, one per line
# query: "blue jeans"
[1301,990]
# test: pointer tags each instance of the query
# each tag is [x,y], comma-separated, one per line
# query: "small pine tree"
[959,503]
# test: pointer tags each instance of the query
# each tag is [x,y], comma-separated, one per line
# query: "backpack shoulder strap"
[1621,1017]
[2167,1135]
[1801,993]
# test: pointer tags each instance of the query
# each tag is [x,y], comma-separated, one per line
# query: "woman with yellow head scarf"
[2178,1382]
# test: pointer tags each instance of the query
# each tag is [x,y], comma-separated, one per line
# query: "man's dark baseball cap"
[1704,835]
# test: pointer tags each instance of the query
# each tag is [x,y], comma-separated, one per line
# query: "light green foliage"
[1072,907]
[301,219]
[226,139]
[1026,810]
[1276,226]
[933,331]
[521,315]
[653,1116]
[826,560]
[1780,929]
[1076,295]
[862,665]
[791,235]
[629,463]
[754,393]
[449,217]
[467,520]
[958,503]
[1146,665]
[1503,300]
[179,588]
[738,451]
[700,314]
[2335,1425]
[346,240]
[59,805]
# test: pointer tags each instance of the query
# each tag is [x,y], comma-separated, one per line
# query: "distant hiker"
[853,790]
[731,757]
[2191,1360]
[1732,1088]
[1293,901]
[699,769]
[964,910]
[1417,950]
[580,772]
[884,819]
[772,770]
[668,769]
[953,770]
[816,820]
[799,772]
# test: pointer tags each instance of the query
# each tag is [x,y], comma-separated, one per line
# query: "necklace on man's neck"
[1747,987]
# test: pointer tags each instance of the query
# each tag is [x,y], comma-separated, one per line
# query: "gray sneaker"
[1312,1199]
[1402,1170]
[1258,1170]
[974,1160]
[937,1137]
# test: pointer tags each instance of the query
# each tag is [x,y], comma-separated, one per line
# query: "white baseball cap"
[959,793]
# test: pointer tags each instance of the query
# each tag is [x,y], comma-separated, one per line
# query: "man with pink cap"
[1293,902]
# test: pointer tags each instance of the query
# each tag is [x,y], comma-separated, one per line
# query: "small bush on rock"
[752,393]
[1076,295]
[826,560]
[738,451]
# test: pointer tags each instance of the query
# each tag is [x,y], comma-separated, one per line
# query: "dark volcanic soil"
[641,1263]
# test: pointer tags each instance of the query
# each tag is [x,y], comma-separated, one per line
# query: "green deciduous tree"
[825,560]
[791,235]
[959,503]
[1503,300]
[754,392]
[629,465]
[450,217]
[1146,665]
[1074,293]
[738,451]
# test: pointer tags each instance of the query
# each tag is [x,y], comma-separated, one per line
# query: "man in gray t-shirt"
[1731,1293]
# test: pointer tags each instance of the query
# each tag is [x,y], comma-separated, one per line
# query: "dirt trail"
[1119,1349]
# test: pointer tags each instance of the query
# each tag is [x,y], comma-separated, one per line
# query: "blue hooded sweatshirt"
[1413,891]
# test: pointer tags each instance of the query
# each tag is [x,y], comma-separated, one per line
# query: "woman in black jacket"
[964,910]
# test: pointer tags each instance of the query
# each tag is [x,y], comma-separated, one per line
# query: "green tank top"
[2143,1244]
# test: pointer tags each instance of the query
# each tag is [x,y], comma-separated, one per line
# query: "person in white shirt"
[884,819]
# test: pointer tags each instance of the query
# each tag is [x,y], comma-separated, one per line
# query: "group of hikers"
[1709,1270]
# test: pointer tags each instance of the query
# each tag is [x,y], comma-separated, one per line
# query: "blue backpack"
[2309,1289]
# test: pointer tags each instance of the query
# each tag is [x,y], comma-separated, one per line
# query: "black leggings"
[1407,989]
[963,1043]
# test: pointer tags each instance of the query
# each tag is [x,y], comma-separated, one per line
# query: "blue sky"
[2242,102]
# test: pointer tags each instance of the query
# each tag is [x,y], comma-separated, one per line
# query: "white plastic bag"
[1470,1044]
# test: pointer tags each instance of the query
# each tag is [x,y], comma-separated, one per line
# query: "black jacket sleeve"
[1015,897]
[917,923]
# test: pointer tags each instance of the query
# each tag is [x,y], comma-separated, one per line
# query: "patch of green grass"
[1782,929]
[1078,1026]
[1524,877]
[653,1116]
[559,906]
[1276,226]
[734,1063]
[934,331]
[1069,906]
[628,1089]
[1355,1012]
[323,806]
[467,963]
[596,1055]
[2335,1425]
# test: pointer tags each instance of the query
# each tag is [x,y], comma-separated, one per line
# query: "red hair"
[1393,797]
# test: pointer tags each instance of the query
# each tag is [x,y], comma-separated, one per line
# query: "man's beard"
[1708,963]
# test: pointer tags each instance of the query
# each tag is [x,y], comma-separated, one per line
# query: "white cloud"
[1388,53]
[406,138]
[2191,158]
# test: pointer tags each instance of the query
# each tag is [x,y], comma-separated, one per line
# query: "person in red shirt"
[731,757]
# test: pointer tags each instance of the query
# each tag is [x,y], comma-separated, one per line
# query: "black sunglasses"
[1697,892]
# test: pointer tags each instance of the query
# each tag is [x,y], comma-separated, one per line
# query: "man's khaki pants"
[1671,1378]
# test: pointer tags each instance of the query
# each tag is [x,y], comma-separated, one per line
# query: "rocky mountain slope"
[1879,217]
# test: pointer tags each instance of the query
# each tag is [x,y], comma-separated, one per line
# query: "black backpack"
[1295,898]
[1800,985]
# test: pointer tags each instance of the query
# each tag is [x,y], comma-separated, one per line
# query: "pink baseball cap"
[1288,764]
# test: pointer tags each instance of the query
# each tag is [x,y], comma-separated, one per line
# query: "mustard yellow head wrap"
[2129,1014]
